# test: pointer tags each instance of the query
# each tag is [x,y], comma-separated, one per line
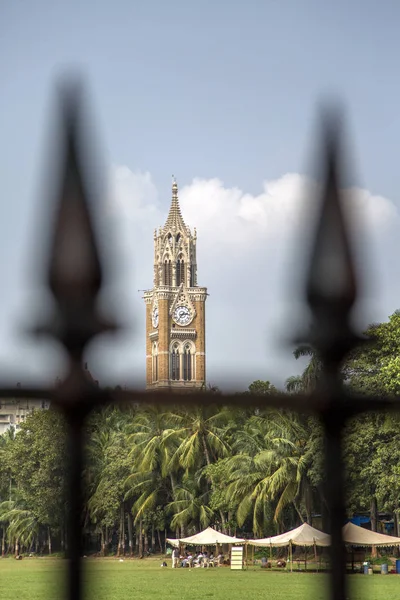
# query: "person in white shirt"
[175,558]
[187,561]
[199,559]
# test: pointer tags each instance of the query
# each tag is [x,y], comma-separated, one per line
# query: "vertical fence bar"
[331,293]
[75,505]
[333,423]
[75,280]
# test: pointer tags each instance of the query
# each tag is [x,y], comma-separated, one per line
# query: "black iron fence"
[75,280]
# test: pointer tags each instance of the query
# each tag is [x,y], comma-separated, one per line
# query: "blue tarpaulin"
[359,520]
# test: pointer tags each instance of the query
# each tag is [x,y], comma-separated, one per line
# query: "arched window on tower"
[167,272]
[180,270]
[187,363]
[154,357]
[175,358]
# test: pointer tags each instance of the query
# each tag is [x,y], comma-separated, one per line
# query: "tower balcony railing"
[182,333]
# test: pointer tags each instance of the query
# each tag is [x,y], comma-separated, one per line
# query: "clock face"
[155,317]
[182,315]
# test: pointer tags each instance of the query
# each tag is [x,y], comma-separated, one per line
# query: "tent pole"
[291,556]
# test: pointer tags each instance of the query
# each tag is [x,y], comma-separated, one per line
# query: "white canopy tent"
[358,536]
[208,537]
[305,535]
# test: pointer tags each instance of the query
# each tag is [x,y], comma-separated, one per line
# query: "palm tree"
[105,468]
[190,505]
[201,433]
[276,474]
[151,482]
[153,440]
[22,524]
[312,373]
[294,384]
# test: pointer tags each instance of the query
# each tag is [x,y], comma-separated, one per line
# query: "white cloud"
[133,196]
[230,215]
[249,251]
[375,211]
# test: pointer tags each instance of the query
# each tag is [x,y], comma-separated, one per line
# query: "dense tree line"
[152,472]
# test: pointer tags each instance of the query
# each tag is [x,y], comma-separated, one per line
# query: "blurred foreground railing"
[75,280]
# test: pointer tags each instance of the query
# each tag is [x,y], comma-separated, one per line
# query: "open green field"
[109,579]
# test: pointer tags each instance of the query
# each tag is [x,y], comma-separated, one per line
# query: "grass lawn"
[109,579]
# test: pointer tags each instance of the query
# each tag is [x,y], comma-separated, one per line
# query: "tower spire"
[175,216]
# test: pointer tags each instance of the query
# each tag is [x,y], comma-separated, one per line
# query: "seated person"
[281,563]
[199,559]
[220,559]
[187,561]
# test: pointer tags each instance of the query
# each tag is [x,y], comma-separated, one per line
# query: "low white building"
[14,412]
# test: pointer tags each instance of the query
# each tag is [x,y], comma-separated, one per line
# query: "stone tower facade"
[175,309]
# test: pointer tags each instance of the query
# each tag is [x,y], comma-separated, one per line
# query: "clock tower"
[175,309]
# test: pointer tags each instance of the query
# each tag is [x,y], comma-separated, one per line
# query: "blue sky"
[219,92]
